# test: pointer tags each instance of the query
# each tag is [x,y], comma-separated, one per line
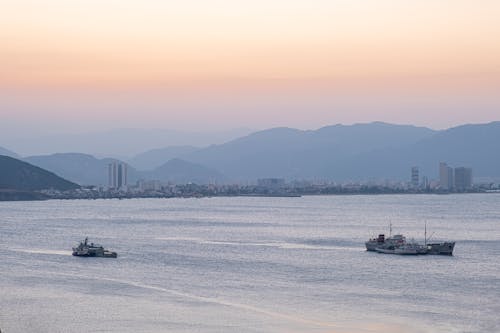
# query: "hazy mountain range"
[182,172]
[118,143]
[296,154]
[357,152]
[155,158]
[80,168]
[87,170]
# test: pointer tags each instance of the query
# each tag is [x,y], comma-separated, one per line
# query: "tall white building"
[117,175]
[445,176]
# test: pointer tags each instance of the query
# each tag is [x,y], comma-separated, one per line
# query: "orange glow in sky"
[253,50]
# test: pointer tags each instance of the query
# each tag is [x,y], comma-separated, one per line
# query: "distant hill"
[474,146]
[80,168]
[87,170]
[6,152]
[154,158]
[357,152]
[296,154]
[181,172]
[119,142]
[18,175]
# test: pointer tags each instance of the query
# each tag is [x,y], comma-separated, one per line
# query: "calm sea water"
[249,265]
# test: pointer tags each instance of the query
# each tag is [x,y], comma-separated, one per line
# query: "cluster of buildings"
[418,183]
[415,180]
[457,179]
[271,182]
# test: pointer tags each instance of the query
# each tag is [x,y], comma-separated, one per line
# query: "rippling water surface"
[249,265]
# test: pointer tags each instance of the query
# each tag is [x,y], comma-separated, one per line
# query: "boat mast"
[425,233]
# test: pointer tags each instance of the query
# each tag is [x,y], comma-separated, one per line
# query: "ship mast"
[425,233]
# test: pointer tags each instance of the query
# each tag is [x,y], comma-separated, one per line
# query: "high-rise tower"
[445,176]
[414,176]
[463,178]
[117,175]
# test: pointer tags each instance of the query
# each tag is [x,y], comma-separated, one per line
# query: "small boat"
[84,249]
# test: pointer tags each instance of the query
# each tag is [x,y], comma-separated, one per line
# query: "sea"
[250,264]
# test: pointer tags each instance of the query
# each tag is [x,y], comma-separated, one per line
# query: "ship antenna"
[390,229]
[425,234]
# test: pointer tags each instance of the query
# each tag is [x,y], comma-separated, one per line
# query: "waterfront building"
[463,178]
[414,176]
[149,185]
[445,176]
[271,182]
[117,175]
[425,182]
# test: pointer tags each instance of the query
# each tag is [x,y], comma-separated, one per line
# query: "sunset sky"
[88,64]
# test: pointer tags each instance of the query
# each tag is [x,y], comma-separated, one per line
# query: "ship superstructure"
[86,249]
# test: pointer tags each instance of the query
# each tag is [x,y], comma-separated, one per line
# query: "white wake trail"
[214,300]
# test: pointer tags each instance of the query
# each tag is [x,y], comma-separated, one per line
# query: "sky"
[80,65]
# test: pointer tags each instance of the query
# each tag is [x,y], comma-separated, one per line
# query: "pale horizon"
[11,129]
[84,65]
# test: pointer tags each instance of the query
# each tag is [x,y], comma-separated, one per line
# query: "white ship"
[84,249]
[398,244]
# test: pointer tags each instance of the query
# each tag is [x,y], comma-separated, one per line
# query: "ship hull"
[105,254]
[411,252]
[371,246]
[444,249]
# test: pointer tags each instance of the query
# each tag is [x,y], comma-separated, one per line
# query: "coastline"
[204,192]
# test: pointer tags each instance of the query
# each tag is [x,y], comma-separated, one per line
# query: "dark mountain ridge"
[7,152]
[18,175]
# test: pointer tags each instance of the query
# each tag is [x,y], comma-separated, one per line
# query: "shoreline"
[40,196]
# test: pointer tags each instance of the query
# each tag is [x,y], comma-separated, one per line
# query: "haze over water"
[249,265]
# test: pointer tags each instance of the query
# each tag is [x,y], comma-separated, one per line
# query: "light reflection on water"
[249,265]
